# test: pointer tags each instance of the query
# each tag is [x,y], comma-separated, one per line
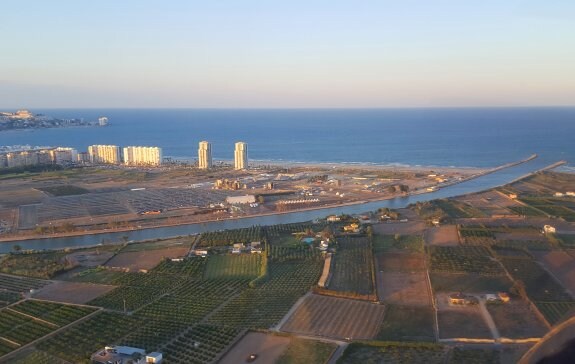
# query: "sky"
[286,54]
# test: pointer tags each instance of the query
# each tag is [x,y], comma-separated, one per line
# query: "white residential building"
[241,155]
[205,155]
[109,154]
[143,156]
[62,155]
[103,121]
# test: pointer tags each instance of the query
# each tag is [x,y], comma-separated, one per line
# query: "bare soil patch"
[516,320]
[336,317]
[462,323]
[267,347]
[442,235]
[72,292]
[404,288]
[396,227]
[134,261]
[91,258]
[401,262]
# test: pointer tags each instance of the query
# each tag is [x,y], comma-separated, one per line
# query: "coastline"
[343,204]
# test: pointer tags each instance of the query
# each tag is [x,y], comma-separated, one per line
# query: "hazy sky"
[244,53]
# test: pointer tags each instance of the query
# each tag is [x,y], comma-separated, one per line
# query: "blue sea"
[460,137]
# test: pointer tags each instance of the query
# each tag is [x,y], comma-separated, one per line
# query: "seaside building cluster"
[22,156]
[150,156]
[131,156]
[24,119]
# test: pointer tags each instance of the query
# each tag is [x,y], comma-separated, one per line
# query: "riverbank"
[327,208]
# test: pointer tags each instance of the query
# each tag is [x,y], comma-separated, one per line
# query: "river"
[478,184]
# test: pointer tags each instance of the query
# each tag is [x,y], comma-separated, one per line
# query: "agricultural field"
[400,262]
[567,240]
[20,284]
[161,244]
[516,320]
[542,289]
[301,351]
[398,242]
[39,265]
[445,235]
[407,323]
[77,343]
[36,357]
[268,347]
[561,265]
[200,344]
[352,267]
[288,235]
[557,207]
[446,209]
[286,283]
[336,317]
[463,259]
[394,353]
[190,267]
[469,283]
[491,203]
[477,235]
[465,322]
[288,253]
[72,292]
[473,356]
[403,288]
[145,259]
[30,320]
[234,266]
[229,237]
[402,228]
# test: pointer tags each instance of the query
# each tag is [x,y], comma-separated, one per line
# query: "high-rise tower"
[241,156]
[205,155]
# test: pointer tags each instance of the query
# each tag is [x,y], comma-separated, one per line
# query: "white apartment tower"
[241,156]
[205,155]
[104,154]
[143,156]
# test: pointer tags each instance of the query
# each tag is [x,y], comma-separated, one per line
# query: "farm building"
[558,194]
[241,200]
[201,252]
[548,229]
[504,297]
[125,354]
[237,248]
[256,247]
[512,196]
[461,299]
[351,227]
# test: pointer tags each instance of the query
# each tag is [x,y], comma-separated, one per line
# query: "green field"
[469,283]
[352,268]
[234,266]
[301,351]
[394,353]
[408,323]
[39,265]
[383,243]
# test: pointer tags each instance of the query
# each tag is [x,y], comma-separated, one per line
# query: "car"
[251,358]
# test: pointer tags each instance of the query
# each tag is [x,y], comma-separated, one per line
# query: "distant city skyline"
[253,54]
